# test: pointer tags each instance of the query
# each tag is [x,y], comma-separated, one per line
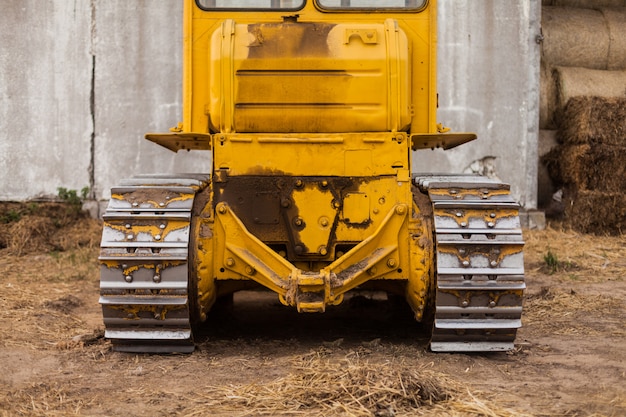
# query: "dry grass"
[580,256]
[350,386]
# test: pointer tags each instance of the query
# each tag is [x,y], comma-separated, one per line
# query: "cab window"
[250,4]
[372,4]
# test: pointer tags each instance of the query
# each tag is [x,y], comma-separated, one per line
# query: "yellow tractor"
[311,109]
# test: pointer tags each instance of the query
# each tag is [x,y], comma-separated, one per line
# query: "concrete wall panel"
[488,83]
[138,79]
[45,122]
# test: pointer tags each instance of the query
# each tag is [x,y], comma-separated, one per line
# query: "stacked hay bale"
[590,164]
[582,143]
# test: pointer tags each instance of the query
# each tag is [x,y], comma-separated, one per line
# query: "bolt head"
[128,278]
[156,278]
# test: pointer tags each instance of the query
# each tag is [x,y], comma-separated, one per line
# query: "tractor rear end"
[311,111]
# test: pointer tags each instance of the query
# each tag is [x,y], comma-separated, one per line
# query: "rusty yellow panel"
[315,207]
[372,70]
[348,154]
[309,77]
[356,208]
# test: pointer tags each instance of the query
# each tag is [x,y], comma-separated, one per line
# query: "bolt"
[222,209]
[453,192]
[285,202]
[462,251]
[298,249]
[466,263]
[324,221]
[128,278]
[298,221]
[299,183]
[492,303]
[372,270]
[463,224]
[157,237]
[161,204]
[492,215]
[250,270]
[459,214]
[162,226]
[156,278]
[322,250]
[230,262]
[493,263]
[391,263]
[465,303]
[401,209]
[324,184]
[130,236]
[128,226]
[135,204]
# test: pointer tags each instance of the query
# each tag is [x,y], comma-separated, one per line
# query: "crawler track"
[479,264]
[144,279]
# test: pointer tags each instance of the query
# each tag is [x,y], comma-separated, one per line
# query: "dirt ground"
[365,358]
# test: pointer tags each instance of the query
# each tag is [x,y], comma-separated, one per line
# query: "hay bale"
[616,22]
[545,185]
[588,4]
[560,84]
[547,97]
[587,167]
[596,212]
[575,37]
[574,82]
[594,120]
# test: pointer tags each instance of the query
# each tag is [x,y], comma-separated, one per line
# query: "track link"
[144,263]
[479,264]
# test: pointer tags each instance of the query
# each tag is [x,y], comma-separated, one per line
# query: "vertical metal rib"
[479,264]
[144,263]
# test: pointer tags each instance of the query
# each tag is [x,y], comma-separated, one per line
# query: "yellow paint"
[334,95]
[381,63]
